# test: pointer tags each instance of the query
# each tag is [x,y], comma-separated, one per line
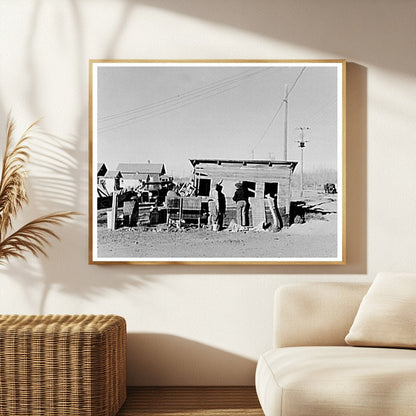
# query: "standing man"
[241,199]
[221,205]
[216,208]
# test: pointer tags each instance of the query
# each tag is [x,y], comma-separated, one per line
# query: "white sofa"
[311,371]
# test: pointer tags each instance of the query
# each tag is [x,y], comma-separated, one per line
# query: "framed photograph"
[208,162]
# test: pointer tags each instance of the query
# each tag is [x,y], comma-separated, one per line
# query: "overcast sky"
[170,114]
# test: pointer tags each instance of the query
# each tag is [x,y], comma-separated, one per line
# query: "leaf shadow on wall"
[53,188]
[164,359]
[59,178]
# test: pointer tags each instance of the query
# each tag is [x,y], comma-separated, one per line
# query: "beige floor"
[187,401]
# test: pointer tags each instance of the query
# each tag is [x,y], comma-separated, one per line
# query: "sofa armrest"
[309,314]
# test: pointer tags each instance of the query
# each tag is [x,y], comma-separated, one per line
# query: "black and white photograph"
[217,162]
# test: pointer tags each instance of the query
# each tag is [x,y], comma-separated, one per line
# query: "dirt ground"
[317,238]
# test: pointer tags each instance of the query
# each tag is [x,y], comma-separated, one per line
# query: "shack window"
[251,187]
[204,187]
[270,188]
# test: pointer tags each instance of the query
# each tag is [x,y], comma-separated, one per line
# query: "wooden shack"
[261,177]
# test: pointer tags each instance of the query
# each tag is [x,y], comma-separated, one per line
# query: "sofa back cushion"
[309,314]
[387,314]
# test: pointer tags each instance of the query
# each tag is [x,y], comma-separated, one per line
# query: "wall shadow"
[62,183]
[52,187]
[169,360]
[57,181]
[334,27]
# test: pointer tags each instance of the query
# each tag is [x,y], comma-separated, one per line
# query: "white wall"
[189,324]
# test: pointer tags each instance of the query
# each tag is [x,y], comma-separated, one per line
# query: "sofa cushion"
[315,314]
[387,314]
[342,381]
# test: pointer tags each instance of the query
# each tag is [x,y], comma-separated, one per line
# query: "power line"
[178,102]
[180,96]
[279,108]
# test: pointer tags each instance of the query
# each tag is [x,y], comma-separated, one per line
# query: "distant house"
[154,170]
[112,180]
[261,177]
[134,180]
[101,171]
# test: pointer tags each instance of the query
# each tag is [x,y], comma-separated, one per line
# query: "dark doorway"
[204,187]
[271,188]
[251,187]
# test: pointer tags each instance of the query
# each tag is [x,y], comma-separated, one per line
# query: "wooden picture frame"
[264,137]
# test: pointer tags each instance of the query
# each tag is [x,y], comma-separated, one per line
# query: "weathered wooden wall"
[230,173]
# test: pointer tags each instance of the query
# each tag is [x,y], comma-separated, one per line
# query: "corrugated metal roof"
[158,168]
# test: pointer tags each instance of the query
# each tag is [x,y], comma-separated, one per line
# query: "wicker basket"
[71,365]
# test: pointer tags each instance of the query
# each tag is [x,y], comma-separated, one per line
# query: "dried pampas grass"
[34,236]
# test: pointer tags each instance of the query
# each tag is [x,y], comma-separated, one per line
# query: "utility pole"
[302,142]
[285,124]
